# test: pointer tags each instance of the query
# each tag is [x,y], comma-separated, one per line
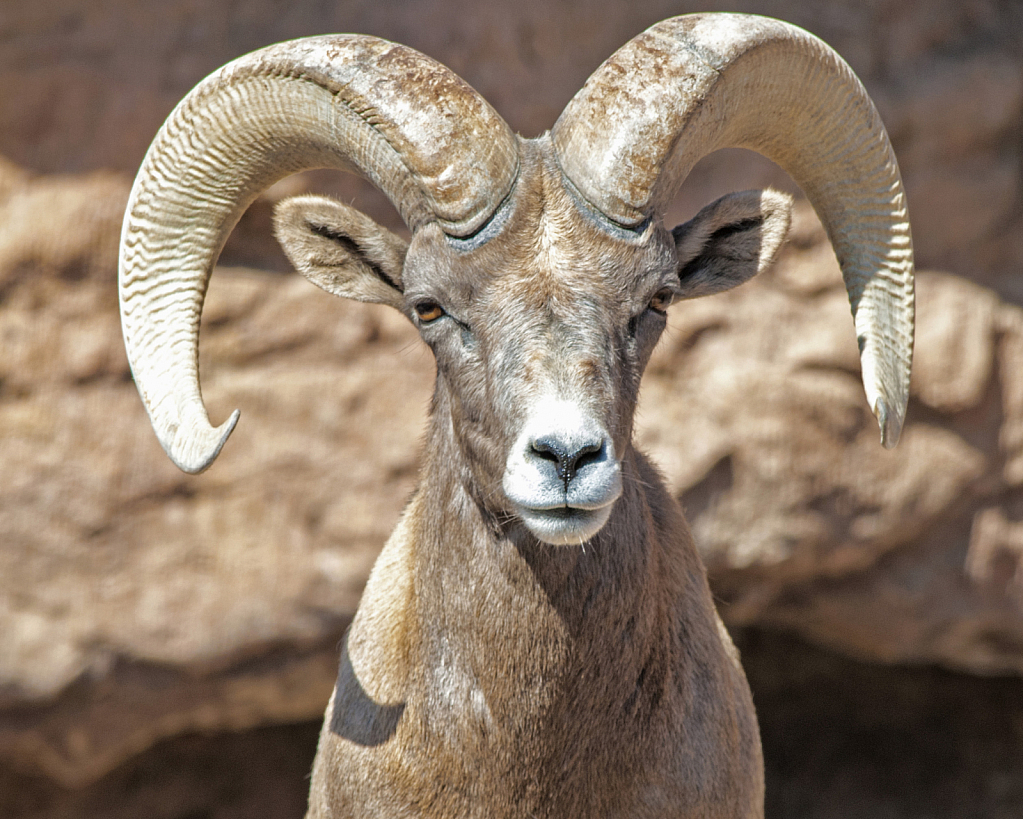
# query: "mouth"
[565,525]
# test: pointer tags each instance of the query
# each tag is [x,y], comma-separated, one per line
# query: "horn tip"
[195,447]
[890,422]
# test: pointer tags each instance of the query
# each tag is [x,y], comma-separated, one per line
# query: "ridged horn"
[697,83]
[434,147]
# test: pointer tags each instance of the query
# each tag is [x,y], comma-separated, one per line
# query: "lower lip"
[564,525]
[560,512]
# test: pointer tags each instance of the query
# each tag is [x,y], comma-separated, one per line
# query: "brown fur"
[488,674]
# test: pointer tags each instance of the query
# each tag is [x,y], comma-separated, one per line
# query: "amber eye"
[662,300]
[429,311]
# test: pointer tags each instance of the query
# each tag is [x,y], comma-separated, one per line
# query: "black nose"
[567,457]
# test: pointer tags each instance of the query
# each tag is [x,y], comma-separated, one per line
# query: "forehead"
[548,250]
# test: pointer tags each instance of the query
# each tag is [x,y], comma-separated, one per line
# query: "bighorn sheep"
[537,637]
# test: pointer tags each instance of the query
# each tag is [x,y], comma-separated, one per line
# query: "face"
[541,333]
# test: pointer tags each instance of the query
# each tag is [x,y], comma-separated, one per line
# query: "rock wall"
[841,739]
[136,602]
[754,406]
[87,83]
[139,606]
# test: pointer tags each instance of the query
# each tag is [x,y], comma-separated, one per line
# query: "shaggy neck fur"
[587,676]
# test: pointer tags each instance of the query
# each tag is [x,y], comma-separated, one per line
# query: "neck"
[550,667]
[539,654]
[526,620]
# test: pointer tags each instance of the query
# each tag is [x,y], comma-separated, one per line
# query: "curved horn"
[693,84]
[422,135]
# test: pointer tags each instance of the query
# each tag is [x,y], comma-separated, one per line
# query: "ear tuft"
[731,240]
[341,250]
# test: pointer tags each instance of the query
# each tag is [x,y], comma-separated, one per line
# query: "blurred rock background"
[167,643]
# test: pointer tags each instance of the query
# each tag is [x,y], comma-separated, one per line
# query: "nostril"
[587,455]
[567,460]
[550,450]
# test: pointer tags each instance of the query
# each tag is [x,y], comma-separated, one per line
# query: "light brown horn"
[693,84]
[421,134]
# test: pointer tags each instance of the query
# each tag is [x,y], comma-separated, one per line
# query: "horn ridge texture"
[360,104]
[691,85]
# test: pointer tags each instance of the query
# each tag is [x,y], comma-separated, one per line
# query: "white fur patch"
[557,510]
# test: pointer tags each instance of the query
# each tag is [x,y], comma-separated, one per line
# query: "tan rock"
[754,408]
[138,603]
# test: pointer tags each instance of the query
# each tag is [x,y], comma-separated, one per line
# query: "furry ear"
[731,240]
[341,249]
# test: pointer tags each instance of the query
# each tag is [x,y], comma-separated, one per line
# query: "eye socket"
[428,311]
[662,300]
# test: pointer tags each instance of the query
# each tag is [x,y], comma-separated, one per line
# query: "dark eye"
[662,300]
[428,311]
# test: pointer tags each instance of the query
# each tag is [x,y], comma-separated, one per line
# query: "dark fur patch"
[736,227]
[355,716]
[352,247]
